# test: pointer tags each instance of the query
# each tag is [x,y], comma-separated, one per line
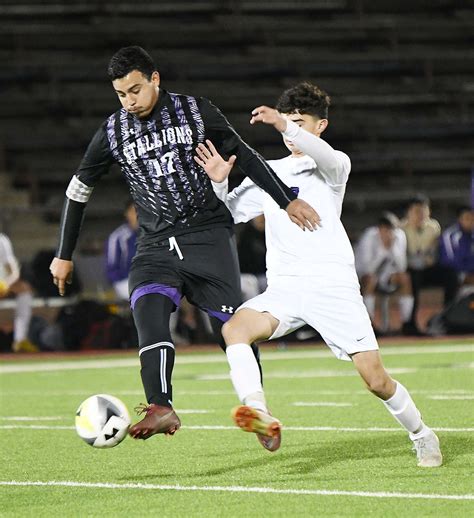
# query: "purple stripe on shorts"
[163,289]
[223,317]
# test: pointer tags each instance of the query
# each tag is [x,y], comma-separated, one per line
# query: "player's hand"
[303,215]
[61,270]
[269,116]
[215,166]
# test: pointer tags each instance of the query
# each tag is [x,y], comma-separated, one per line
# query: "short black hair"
[305,98]
[130,58]
[462,209]
[418,199]
[385,221]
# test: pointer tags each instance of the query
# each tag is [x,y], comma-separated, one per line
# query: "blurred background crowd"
[401,78]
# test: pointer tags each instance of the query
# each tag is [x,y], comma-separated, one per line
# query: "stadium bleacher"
[400,76]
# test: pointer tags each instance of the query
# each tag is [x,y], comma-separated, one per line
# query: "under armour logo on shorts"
[226,309]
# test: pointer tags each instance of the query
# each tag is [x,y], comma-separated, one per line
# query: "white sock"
[405,303]
[22,316]
[369,301]
[256,400]
[404,410]
[245,375]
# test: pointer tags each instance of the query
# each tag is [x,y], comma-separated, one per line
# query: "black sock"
[152,314]
[157,367]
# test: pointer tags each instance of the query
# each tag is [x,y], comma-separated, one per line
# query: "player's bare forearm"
[269,116]
[61,270]
[212,162]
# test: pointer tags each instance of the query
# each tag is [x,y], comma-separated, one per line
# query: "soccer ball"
[102,421]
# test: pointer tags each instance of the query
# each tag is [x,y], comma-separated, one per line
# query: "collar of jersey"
[162,98]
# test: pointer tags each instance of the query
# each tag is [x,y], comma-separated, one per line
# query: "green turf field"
[342,454]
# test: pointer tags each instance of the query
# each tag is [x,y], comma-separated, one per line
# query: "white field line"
[319,373]
[237,489]
[222,427]
[450,397]
[29,418]
[429,394]
[17,418]
[193,411]
[221,358]
[321,403]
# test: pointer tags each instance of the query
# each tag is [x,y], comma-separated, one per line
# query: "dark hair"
[462,209]
[305,98]
[130,58]
[419,199]
[385,221]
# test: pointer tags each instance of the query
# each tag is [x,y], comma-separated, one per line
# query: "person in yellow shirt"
[423,233]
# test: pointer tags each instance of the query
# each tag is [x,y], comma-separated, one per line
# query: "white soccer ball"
[102,421]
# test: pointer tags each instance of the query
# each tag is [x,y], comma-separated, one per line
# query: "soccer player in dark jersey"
[185,241]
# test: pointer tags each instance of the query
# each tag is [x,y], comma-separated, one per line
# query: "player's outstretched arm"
[94,164]
[333,165]
[254,166]
[269,116]
[218,169]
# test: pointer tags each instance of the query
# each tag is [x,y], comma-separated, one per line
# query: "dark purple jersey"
[172,193]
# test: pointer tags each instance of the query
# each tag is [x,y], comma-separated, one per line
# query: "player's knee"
[152,334]
[380,384]
[232,332]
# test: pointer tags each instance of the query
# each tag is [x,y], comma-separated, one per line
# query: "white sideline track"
[236,489]
[40,366]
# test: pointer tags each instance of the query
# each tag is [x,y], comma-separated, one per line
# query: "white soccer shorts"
[331,304]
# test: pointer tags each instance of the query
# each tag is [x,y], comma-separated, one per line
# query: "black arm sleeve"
[95,163]
[71,221]
[228,142]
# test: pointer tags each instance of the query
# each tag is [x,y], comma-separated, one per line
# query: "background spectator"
[422,233]
[252,252]
[381,263]
[12,285]
[120,250]
[456,248]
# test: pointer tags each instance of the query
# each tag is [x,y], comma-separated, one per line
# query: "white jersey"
[9,268]
[311,275]
[371,256]
[320,179]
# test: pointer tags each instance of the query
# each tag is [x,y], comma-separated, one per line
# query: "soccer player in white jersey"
[12,285]
[381,264]
[311,275]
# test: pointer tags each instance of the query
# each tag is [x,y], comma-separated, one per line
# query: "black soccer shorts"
[202,265]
